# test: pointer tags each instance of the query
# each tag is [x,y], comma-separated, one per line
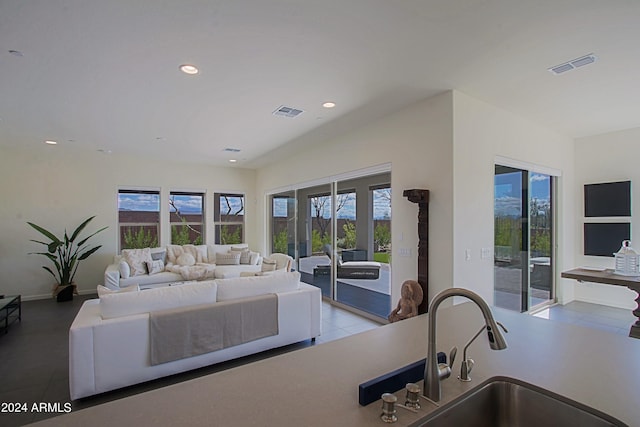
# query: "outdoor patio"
[371,296]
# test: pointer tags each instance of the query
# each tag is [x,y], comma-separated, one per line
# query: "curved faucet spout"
[432,371]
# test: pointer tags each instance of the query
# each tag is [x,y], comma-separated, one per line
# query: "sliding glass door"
[339,234]
[522,239]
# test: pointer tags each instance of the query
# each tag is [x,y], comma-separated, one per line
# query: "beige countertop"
[318,386]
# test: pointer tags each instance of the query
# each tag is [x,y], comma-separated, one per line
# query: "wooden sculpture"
[411,296]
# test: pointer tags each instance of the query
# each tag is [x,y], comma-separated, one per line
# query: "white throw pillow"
[137,260]
[103,290]
[125,270]
[254,258]
[242,287]
[186,259]
[155,267]
[228,258]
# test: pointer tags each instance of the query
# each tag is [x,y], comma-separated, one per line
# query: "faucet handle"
[452,356]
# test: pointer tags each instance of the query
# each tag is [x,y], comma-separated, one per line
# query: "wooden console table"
[608,277]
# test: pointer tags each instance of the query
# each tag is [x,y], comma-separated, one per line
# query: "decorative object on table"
[65,254]
[410,298]
[627,260]
[421,198]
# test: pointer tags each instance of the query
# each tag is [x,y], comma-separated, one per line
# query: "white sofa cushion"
[164,277]
[102,290]
[242,287]
[230,271]
[129,303]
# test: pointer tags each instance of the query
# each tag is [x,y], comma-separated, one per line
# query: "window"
[229,218]
[138,218]
[186,216]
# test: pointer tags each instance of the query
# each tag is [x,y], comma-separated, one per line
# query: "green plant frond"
[64,253]
[38,241]
[80,228]
[53,246]
[82,242]
[47,254]
[51,272]
[45,232]
[86,254]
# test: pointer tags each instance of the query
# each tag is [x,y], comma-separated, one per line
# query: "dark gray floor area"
[34,352]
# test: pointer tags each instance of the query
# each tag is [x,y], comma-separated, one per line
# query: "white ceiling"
[103,75]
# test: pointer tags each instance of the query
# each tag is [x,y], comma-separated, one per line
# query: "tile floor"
[34,352]
[610,319]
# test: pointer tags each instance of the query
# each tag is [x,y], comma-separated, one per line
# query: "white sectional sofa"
[201,263]
[111,339]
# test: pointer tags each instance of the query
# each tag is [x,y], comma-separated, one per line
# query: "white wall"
[417,142]
[56,188]
[448,145]
[482,132]
[606,158]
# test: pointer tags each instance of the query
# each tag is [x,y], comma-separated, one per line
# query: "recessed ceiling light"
[329,104]
[50,142]
[189,69]
[232,160]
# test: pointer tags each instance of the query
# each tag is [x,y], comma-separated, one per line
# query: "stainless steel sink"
[502,401]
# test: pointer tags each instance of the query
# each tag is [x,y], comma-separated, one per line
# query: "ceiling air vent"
[573,64]
[231,150]
[287,112]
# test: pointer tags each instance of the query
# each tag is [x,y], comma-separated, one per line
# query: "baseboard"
[48,295]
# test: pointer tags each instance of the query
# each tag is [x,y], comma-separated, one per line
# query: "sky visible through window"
[508,192]
[381,206]
[151,202]
[138,202]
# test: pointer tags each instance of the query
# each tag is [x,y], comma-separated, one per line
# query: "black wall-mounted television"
[607,199]
[605,238]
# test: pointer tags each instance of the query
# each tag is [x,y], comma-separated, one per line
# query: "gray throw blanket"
[185,332]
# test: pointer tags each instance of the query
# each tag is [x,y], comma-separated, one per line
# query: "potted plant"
[65,254]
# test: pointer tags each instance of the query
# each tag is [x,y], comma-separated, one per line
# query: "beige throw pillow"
[228,258]
[268,265]
[245,254]
[137,260]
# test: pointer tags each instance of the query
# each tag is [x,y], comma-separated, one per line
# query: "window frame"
[138,191]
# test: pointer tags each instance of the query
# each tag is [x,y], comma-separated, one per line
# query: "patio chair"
[283,261]
[368,270]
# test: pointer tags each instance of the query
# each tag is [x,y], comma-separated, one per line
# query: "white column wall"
[482,132]
[417,142]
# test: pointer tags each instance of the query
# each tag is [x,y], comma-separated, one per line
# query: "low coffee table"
[8,306]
